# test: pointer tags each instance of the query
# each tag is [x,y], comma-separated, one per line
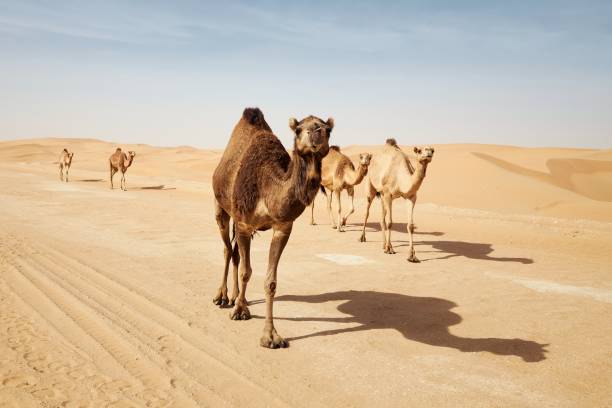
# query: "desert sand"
[106,296]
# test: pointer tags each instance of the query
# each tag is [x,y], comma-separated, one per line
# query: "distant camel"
[259,186]
[65,160]
[391,176]
[120,161]
[338,173]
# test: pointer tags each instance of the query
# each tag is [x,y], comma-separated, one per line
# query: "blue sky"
[180,73]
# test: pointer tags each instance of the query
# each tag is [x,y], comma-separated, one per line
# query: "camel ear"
[330,123]
[293,123]
[417,150]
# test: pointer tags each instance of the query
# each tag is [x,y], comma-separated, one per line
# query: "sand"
[105,296]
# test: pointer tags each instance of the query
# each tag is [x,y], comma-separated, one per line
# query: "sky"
[168,73]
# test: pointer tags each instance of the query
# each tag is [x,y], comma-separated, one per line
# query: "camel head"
[311,135]
[364,159]
[425,154]
[132,153]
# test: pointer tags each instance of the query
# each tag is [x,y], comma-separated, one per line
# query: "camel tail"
[256,118]
[323,190]
[377,194]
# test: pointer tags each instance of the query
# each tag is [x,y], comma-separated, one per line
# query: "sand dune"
[105,296]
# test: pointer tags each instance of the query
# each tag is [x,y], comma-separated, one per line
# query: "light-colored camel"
[120,161]
[65,161]
[338,173]
[391,175]
[259,186]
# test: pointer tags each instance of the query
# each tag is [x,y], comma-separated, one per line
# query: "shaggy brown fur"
[120,162]
[259,186]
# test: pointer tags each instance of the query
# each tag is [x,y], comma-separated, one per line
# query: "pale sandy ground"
[105,296]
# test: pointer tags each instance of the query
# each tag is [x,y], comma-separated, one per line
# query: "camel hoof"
[413,259]
[389,250]
[362,238]
[240,313]
[221,300]
[273,341]
[344,222]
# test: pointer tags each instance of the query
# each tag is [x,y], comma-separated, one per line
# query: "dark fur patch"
[334,147]
[266,151]
[118,150]
[255,117]
[323,190]
[391,142]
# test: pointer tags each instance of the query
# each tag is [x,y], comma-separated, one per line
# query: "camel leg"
[370,198]
[412,257]
[338,193]
[235,263]
[67,170]
[351,193]
[241,310]
[329,208]
[386,231]
[223,221]
[390,211]
[123,187]
[312,222]
[61,173]
[270,337]
[112,173]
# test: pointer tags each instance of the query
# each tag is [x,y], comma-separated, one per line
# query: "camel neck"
[414,180]
[304,178]
[356,176]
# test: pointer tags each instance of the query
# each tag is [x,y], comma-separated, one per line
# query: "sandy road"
[106,301]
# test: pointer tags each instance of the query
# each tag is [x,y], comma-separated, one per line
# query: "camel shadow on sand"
[396,227]
[159,187]
[423,319]
[452,249]
[472,250]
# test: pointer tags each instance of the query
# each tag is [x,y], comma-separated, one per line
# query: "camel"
[259,186]
[338,173]
[120,161]
[65,160]
[391,175]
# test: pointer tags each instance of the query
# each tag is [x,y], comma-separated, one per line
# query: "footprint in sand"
[19,381]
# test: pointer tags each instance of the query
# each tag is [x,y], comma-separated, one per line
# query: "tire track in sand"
[109,349]
[155,333]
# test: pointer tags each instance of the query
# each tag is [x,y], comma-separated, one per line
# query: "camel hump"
[391,142]
[255,117]
[118,150]
[334,147]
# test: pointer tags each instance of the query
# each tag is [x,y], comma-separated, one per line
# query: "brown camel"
[260,186]
[65,160]
[120,161]
[338,173]
[391,176]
